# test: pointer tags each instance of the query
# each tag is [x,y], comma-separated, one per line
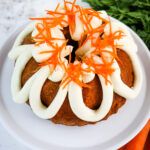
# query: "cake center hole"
[71,42]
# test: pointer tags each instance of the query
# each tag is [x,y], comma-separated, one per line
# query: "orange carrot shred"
[100,43]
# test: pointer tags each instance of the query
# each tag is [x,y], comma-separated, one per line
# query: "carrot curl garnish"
[55,57]
[105,70]
[73,73]
[100,43]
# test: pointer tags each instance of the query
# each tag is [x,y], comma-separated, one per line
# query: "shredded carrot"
[55,56]
[56,9]
[75,71]
[92,12]
[101,69]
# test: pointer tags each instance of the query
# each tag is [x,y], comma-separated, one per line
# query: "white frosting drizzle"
[16,52]
[21,95]
[120,87]
[23,34]
[79,28]
[23,54]
[81,110]
[36,50]
[35,97]
[17,48]
[127,44]
[57,74]
[87,76]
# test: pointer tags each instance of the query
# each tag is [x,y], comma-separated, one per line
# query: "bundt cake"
[75,66]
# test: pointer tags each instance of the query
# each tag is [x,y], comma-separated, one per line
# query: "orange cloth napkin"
[141,141]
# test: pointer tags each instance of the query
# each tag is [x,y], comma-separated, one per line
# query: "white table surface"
[13,12]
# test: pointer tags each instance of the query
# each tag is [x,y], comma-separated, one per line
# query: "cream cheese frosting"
[23,53]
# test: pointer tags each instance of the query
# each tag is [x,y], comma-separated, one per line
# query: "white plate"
[36,133]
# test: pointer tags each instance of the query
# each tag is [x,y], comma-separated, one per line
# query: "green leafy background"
[134,13]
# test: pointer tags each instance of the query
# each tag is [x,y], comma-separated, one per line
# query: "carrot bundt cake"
[75,66]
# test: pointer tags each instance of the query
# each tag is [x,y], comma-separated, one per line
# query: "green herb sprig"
[134,13]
